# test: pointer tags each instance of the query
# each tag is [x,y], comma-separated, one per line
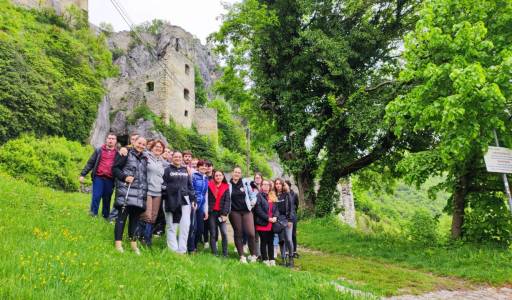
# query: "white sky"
[199,17]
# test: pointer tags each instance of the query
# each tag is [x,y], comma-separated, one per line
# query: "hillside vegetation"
[51,73]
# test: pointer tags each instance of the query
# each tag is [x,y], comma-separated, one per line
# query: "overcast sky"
[199,17]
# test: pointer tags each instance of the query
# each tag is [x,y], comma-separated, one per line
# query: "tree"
[324,70]
[458,65]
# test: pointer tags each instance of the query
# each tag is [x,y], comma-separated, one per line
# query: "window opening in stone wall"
[177,46]
[186,113]
[150,86]
[187,69]
[186,94]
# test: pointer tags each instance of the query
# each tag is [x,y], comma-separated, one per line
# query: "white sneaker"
[137,251]
[266,263]
[243,260]
[252,258]
[120,249]
[206,245]
[272,263]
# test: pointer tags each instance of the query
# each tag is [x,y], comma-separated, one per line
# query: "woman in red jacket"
[219,206]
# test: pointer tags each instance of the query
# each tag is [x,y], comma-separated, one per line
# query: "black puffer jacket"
[178,186]
[134,164]
[261,210]
[225,199]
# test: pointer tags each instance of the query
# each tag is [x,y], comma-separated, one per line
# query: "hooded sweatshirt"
[155,175]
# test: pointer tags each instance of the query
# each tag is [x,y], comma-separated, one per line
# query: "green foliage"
[458,93]
[140,112]
[422,228]
[231,132]
[488,219]
[326,67]
[51,73]
[200,89]
[50,161]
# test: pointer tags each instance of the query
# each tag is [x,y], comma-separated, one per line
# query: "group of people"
[156,187]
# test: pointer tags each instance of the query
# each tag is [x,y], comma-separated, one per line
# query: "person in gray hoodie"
[156,166]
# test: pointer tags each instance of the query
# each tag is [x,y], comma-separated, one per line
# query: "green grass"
[51,249]
[477,264]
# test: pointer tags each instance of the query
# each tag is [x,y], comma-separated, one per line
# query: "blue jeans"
[196,229]
[102,188]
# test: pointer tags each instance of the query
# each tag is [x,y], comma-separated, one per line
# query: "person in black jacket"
[285,206]
[219,207]
[130,172]
[295,201]
[265,213]
[178,204]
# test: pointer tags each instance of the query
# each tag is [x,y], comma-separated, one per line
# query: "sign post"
[499,160]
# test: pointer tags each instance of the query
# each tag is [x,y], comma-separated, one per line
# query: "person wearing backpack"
[130,172]
[286,210]
[266,214]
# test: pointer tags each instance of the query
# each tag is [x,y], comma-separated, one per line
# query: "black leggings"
[242,221]
[294,235]
[214,225]
[266,245]
[131,213]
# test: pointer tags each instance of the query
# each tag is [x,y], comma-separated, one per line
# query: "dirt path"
[359,275]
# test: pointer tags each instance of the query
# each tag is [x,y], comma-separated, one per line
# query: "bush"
[422,228]
[50,161]
[487,219]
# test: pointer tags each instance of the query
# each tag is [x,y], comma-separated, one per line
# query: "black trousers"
[132,215]
[294,235]
[266,245]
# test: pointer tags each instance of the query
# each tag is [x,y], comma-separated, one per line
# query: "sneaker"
[120,249]
[252,259]
[291,265]
[295,255]
[266,263]
[272,263]
[243,260]
[136,251]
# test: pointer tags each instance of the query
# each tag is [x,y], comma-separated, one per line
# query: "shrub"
[50,161]
[487,219]
[422,228]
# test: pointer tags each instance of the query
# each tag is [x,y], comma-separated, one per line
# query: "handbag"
[280,225]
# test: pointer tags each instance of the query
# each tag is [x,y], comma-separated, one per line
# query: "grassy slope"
[478,264]
[51,249]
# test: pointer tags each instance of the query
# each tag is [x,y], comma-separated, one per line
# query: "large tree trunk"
[458,205]
[306,186]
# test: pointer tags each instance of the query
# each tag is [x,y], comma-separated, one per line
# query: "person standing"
[295,201]
[178,204]
[285,207]
[200,214]
[242,201]
[219,205]
[130,172]
[266,213]
[156,168]
[187,161]
[100,163]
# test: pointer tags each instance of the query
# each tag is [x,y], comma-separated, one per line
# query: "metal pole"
[504,176]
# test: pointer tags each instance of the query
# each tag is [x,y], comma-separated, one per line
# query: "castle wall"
[180,100]
[205,120]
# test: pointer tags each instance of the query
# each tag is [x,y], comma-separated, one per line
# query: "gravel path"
[489,293]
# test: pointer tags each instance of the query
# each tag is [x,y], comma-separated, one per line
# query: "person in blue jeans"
[200,214]
[100,163]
